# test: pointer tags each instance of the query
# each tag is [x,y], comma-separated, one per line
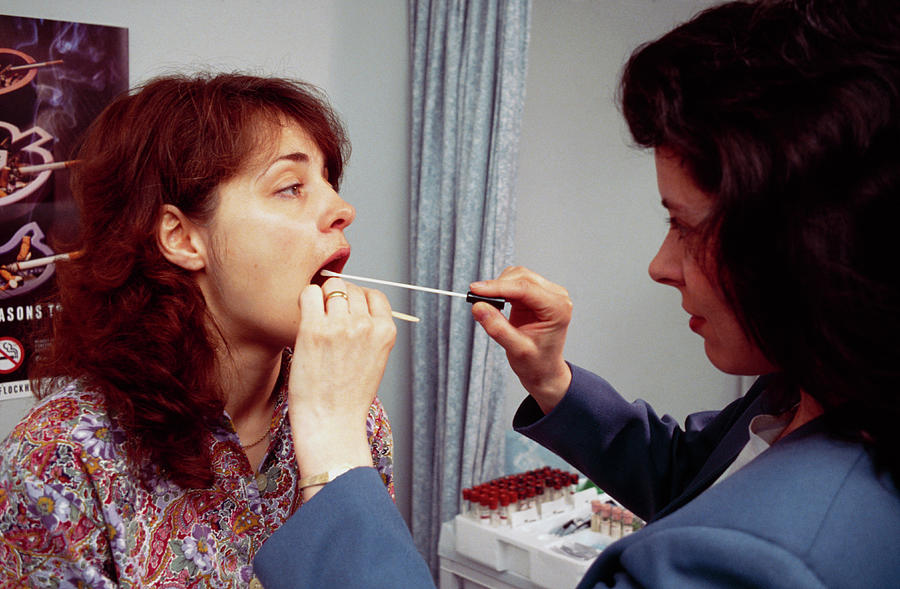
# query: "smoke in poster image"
[55,78]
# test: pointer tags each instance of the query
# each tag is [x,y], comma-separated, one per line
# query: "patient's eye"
[293,190]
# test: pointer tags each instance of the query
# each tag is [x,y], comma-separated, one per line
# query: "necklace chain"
[265,433]
[264,436]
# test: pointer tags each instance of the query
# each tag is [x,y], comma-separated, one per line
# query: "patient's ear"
[181,240]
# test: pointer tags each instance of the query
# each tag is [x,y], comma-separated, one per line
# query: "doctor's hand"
[535,333]
[343,342]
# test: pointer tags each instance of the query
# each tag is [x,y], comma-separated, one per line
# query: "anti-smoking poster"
[55,78]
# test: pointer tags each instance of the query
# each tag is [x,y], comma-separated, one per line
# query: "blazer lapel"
[726,450]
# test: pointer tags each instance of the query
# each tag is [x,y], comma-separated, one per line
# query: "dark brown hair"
[133,325]
[787,112]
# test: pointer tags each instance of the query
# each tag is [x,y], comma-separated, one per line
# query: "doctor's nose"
[665,267]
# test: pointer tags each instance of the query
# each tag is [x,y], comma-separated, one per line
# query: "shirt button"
[255,584]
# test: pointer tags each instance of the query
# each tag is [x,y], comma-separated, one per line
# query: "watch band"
[323,477]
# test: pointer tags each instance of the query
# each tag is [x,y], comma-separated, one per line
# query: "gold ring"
[337,293]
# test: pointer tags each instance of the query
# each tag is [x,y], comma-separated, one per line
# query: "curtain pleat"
[468,88]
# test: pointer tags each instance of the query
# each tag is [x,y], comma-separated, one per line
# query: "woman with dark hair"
[776,131]
[161,452]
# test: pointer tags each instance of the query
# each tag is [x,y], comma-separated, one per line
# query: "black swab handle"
[494,301]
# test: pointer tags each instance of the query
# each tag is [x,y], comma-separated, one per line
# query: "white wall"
[589,215]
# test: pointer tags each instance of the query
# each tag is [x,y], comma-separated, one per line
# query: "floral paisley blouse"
[72,513]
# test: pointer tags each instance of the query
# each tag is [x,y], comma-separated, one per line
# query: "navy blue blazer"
[808,512]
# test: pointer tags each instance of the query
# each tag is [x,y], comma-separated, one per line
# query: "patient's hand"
[340,354]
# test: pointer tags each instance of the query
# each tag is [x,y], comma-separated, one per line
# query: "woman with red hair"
[161,452]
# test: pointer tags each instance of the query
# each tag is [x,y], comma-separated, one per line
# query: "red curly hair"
[133,325]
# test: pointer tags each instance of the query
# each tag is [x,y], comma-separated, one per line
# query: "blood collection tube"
[596,506]
[559,505]
[539,497]
[503,512]
[467,502]
[570,488]
[615,526]
[627,523]
[605,512]
[484,509]
[513,501]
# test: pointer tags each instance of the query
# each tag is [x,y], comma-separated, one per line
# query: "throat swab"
[405,317]
[469,296]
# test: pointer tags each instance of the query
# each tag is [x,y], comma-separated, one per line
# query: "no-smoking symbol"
[12,353]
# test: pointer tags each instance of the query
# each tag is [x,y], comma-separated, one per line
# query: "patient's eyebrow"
[296,156]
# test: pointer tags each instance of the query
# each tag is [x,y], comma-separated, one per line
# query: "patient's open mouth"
[335,264]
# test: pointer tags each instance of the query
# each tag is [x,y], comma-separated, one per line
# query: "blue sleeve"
[348,535]
[643,460]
